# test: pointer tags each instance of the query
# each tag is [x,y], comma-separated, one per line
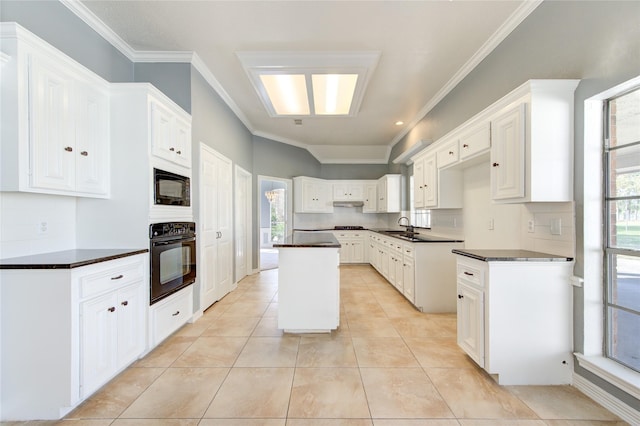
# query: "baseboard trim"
[608,401]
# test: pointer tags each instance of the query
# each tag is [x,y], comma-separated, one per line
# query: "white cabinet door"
[312,195]
[170,134]
[408,279]
[98,341]
[183,142]
[51,127]
[357,249]
[370,194]
[92,141]
[418,183]
[132,310]
[162,141]
[448,154]
[471,322]
[475,141]
[430,185]
[508,154]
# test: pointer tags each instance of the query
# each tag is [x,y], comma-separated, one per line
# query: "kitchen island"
[309,283]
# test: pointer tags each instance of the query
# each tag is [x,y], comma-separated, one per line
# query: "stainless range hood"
[348,203]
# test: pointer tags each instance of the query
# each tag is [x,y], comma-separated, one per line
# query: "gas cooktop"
[348,227]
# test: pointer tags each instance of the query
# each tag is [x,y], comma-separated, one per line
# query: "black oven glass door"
[173,266]
[171,189]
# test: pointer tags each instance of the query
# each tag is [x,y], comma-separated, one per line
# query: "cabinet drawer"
[407,251]
[170,314]
[475,141]
[471,273]
[111,278]
[448,154]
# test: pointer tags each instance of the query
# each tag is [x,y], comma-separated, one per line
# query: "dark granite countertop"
[401,234]
[510,255]
[310,239]
[67,259]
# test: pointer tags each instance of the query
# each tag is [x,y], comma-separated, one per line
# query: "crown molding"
[82,12]
[496,38]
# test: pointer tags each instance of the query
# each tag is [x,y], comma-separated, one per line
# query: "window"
[622,228]
[419,218]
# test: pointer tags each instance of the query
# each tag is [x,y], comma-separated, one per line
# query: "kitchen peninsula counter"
[309,283]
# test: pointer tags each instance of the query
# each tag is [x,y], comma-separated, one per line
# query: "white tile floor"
[387,365]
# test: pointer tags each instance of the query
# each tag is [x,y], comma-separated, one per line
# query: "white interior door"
[208,226]
[224,264]
[243,222]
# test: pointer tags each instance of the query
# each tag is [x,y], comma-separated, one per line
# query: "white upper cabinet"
[507,154]
[348,191]
[434,187]
[370,197]
[527,139]
[532,144]
[389,194]
[55,128]
[170,134]
[475,140]
[312,195]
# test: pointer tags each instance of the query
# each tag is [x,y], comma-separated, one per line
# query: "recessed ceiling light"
[399,123]
[310,83]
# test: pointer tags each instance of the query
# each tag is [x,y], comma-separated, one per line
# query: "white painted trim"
[608,401]
[82,12]
[613,372]
[496,38]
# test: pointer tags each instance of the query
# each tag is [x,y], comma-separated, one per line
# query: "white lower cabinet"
[112,334]
[169,314]
[79,327]
[514,319]
[423,272]
[353,246]
[471,322]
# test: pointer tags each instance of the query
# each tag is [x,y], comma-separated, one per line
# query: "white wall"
[510,221]
[21,218]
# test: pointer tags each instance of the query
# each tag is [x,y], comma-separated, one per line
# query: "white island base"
[308,289]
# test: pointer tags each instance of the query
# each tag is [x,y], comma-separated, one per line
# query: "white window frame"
[593,357]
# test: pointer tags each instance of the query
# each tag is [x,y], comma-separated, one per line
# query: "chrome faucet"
[408,225]
[403,217]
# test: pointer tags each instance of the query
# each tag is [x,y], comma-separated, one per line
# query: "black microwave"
[171,189]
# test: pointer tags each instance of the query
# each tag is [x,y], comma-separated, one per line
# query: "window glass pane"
[624,276]
[624,224]
[624,171]
[624,119]
[624,329]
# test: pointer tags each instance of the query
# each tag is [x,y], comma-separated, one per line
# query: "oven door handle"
[166,243]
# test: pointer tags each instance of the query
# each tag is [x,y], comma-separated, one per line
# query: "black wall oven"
[171,189]
[173,257]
